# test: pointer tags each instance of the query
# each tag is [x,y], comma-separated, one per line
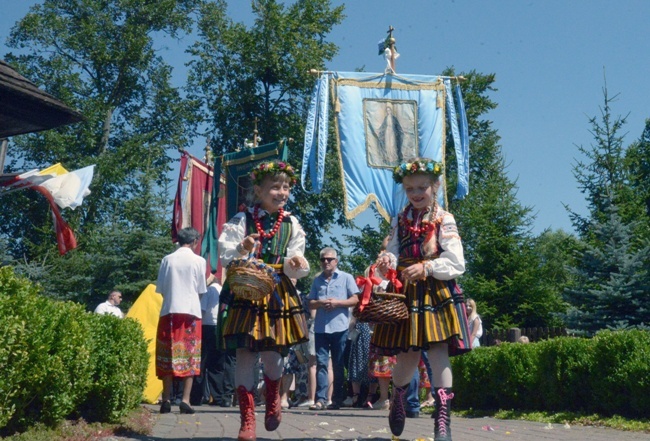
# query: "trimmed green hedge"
[608,374]
[121,361]
[58,360]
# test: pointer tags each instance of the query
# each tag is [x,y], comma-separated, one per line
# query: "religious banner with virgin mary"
[381,121]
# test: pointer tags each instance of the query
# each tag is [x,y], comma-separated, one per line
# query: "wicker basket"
[383,308]
[250,279]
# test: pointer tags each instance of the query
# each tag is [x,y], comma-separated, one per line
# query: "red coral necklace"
[258,225]
[424,227]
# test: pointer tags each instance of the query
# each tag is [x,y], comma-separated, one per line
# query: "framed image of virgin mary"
[391,131]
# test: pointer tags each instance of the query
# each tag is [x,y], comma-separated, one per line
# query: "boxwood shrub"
[120,361]
[608,374]
[58,360]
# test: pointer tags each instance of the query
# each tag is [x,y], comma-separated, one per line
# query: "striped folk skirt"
[274,323]
[436,315]
[178,346]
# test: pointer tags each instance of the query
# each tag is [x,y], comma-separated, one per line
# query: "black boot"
[397,414]
[442,414]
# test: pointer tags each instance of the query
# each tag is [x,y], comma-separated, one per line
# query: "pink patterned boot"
[442,414]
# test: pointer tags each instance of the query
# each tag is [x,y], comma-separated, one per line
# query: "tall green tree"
[100,58]
[505,274]
[612,290]
[241,74]
[637,162]
[612,281]
[602,176]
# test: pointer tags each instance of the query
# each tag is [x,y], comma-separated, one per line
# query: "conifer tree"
[612,281]
[611,289]
[637,162]
[505,273]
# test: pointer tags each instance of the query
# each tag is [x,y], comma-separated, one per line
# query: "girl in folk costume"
[381,366]
[425,238]
[272,325]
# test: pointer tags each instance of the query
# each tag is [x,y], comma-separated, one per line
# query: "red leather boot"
[247,411]
[273,414]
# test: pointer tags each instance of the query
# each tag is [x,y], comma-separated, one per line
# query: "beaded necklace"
[412,227]
[258,225]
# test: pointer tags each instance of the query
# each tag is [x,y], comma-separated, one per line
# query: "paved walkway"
[216,423]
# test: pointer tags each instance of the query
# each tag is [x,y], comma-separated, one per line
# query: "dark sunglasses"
[327,259]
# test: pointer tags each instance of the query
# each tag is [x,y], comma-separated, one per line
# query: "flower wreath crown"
[421,165]
[264,169]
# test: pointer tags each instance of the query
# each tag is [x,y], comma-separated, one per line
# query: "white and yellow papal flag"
[62,189]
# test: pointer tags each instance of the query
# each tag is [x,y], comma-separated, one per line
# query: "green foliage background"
[103,59]
[58,360]
[608,374]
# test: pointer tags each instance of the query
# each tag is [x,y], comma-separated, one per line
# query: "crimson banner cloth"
[191,209]
[231,191]
[194,208]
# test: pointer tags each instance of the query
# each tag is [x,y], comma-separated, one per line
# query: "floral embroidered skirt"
[274,323]
[380,366]
[436,315]
[178,346]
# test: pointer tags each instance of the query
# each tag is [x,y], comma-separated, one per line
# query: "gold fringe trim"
[388,84]
[351,214]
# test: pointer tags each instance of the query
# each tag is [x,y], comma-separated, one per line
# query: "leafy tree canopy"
[240,75]
[99,57]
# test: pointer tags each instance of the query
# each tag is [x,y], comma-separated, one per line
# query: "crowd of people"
[307,339]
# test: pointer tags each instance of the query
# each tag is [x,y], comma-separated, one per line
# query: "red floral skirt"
[178,346]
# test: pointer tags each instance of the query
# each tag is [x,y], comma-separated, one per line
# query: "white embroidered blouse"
[234,232]
[451,261]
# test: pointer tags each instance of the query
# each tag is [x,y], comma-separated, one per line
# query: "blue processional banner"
[382,120]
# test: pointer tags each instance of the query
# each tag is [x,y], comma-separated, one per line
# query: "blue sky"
[550,57]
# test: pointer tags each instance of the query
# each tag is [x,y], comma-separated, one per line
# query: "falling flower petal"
[488,428]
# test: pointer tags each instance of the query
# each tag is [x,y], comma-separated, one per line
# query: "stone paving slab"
[216,423]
